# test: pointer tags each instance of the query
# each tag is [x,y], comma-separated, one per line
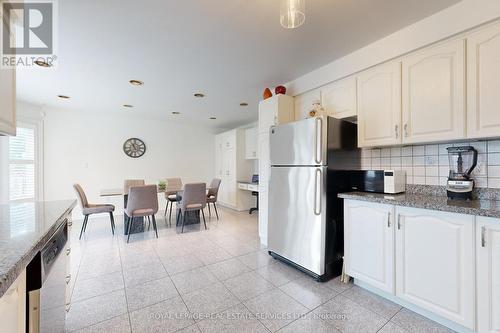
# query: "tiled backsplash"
[428,164]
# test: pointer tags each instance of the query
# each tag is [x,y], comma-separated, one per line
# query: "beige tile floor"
[218,280]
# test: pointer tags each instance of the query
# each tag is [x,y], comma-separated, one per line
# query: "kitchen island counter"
[24,230]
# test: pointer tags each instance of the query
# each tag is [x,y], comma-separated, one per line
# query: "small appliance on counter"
[379,181]
[463,160]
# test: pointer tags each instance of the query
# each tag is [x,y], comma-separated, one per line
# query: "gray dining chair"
[128,183]
[142,202]
[173,185]
[90,209]
[212,195]
[194,198]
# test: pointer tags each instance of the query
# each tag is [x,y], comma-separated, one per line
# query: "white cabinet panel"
[278,109]
[13,306]
[304,103]
[434,94]
[483,80]
[339,98]
[369,243]
[435,262]
[379,106]
[488,274]
[251,143]
[8,101]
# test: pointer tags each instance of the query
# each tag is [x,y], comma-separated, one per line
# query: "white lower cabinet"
[13,306]
[488,274]
[369,243]
[435,262]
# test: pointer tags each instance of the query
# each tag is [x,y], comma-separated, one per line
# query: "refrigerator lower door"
[297,215]
[301,142]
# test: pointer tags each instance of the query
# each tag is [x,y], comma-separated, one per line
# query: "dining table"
[137,226]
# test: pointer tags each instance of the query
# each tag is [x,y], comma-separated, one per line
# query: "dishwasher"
[47,285]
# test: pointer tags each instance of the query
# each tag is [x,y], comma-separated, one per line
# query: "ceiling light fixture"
[128,106]
[63,96]
[199,95]
[243,104]
[175,112]
[42,63]
[136,82]
[292,13]
[212,118]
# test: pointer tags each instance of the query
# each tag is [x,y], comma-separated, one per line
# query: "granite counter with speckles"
[479,207]
[24,230]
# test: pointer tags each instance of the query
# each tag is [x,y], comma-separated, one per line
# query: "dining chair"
[142,202]
[213,192]
[173,186]
[128,183]
[90,209]
[194,198]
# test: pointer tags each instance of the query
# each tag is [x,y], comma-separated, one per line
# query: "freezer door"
[297,215]
[300,143]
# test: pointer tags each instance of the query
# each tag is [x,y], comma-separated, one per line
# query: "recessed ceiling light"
[42,63]
[199,95]
[128,106]
[175,112]
[136,82]
[63,96]
[212,118]
[243,104]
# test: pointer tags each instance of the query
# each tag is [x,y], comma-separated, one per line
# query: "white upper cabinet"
[483,82]
[488,275]
[434,94]
[435,262]
[339,98]
[8,102]
[274,111]
[369,243]
[304,103]
[251,143]
[379,106]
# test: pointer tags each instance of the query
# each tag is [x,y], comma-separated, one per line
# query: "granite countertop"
[24,230]
[480,207]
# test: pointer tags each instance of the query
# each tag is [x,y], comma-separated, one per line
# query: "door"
[379,106]
[434,94]
[8,101]
[339,98]
[483,80]
[369,243]
[304,103]
[299,143]
[297,215]
[435,262]
[488,274]
[229,176]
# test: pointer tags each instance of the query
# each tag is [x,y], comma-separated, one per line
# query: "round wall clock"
[134,147]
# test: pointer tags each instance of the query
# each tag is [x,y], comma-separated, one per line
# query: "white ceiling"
[229,49]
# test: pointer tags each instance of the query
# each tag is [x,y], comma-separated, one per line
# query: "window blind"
[22,165]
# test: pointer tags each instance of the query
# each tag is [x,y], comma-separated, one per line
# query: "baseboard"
[443,321]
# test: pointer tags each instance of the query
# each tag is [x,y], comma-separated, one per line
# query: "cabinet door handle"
[389,220]
[396,130]
[68,278]
[68,251]
[399,221]
[483,236]
[406,130]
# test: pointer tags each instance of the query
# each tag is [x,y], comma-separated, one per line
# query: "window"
[22,164]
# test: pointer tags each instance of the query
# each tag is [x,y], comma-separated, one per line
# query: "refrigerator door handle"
[318,156]
[317,191]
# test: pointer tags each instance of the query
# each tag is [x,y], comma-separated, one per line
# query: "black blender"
[462,161]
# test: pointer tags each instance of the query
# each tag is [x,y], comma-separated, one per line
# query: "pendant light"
[292,13]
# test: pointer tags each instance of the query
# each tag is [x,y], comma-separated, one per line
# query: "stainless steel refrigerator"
[311,162]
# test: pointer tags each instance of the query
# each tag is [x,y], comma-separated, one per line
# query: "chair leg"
[154,225]
[170,216]
[166,209]
[112,219]
[149,222]
[216,213]
[209,212]
[86,222]
[131,219]
[204,222]
[183,218]
[85,219]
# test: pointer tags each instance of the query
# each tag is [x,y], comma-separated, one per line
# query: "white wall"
[87,149]
[463,16]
